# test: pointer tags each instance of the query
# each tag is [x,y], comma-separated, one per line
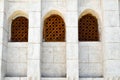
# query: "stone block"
[72,51]
[17,55]
[83,69]
[51,4]
[33,17]
[53,44]
[12,78]
[23,52]
[112,68]
[98,78]
[23,78]
[53,70]
[1,35]
[15,6]
[54,78]
[110,5]
[33,72]
[89,44]
[71,19]
[113,34]
[34,51]
[5,38]
[111,18]
[3,68]
[89,3]
[13,55]
[95,54]
[1,19]
[1,6]
[72,69]
[16,69]
[71,34]
[33,38]
[86,79]
[59,54]
[83,54]
[1,51]
[47,54]
[17,44]
[90,69]
[71,5]
[63,3]
[112,51]
[4,52]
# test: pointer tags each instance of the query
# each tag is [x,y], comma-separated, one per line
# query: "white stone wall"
[91,53]
[3,39]
[70,60]
[90,59]
[111,38]
[17,51]
[53,55]
[17,59]
[53,59]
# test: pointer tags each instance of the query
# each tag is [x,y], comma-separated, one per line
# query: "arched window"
[88,28]
[19,30]
[54,29]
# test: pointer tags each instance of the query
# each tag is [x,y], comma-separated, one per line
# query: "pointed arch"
[19,27]
[54,29]
[88,27]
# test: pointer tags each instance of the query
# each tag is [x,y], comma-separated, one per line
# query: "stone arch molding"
[14,15]
[96,15]
[51,13]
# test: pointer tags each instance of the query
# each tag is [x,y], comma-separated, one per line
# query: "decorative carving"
[88,28]
[19,30]
[54,29]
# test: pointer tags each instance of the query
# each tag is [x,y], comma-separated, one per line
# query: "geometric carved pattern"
[54,29]
[19,30]
[88,28]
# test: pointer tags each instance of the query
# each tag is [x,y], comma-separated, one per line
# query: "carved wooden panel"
[54,29]
[19,30]
[88,28]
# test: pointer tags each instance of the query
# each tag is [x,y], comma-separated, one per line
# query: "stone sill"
[91,78]
[89,43]
[25,78]
[17,44]
[15,78]
[53,43]
[54,78]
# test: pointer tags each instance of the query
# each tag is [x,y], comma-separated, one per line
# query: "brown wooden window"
[54,29]
[88,28]
[19,30]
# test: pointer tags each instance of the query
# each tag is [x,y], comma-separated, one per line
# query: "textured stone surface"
[54,60]
[53,55]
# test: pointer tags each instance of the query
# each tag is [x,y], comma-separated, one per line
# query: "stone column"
[34,40]
[111,38]
[72,40]
[3,39]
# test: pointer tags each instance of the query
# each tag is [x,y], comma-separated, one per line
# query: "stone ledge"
[54,78]
[15,78]
[53,44]
[17,44]
[91,78]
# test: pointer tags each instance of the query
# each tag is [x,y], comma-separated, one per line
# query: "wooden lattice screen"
[19,30]
[54,29]
[88,28]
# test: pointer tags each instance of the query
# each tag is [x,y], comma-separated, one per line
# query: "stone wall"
[53,59]
[69,60]
[17,60]
[91,53]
